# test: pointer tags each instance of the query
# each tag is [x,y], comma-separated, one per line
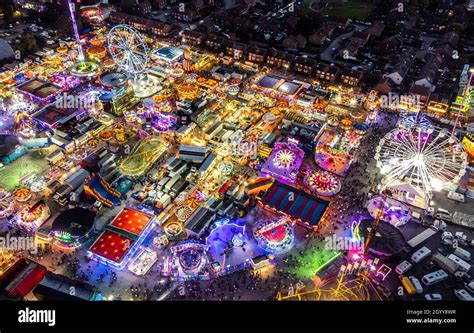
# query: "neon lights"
[72,7]
[355,233]
[274,236]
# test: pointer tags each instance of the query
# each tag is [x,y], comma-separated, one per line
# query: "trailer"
[421,237]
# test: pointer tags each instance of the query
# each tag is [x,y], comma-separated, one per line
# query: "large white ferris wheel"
[429,158]
[128,49]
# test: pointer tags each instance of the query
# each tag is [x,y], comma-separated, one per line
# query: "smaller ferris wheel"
[128,49]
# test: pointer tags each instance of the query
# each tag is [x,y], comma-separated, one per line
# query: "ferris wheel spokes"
[128,49]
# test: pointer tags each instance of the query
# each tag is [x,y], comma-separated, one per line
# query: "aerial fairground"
[230,150]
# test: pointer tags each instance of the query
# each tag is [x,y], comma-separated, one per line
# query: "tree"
[59,18]
[456,27]
[29,43]
[128,6]
[8,9]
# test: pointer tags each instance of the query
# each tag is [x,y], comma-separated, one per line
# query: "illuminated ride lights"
[428,158]
[183,213]
[128,49]
[191,77]
[284,161]
[173,229]
[333,153]
[161,241]
[224,234]
[97,52]
[72,228]
[62,49]
[389,210]
[211,184]
[66,81]
[187,91]
[79,155]
[201,195]
[101,190]
[32,217]
[233,90]
[414,120]
[143,262]
[72,8]
[22,194]
[145,85]
[189,260]
[6,207]
[323,182]
[333,121]
[355,232]
[145,153]
[163,122]
[113,79]
[274,236]
[225,168]
[38,184]
[84,68]
[20,105]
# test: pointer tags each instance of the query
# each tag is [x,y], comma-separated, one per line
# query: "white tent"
[408,193]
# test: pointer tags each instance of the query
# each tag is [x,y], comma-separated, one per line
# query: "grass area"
[32,161]
[359,8]
[311,261]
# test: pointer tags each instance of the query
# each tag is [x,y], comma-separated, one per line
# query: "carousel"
[274,236]
[323,182]
[187,91]
[22,194]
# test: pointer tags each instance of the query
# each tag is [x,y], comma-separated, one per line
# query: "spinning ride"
[274,236]
[323,182]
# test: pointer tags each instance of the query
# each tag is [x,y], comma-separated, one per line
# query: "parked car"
[433,297]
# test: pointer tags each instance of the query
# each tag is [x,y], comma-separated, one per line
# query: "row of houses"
[426,82]
[284,61]
[141,24]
